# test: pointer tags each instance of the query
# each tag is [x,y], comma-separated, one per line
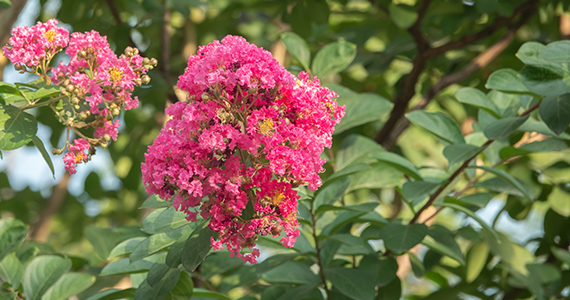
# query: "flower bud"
[106,137]
[138,81]
[116,112]
[66,82]
[205,96]
[135,51]
[55,151]
[129,51]
[145,79]
[146,61]
[153,62]
[69,87]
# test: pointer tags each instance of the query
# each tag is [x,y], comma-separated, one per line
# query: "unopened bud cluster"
[95,85]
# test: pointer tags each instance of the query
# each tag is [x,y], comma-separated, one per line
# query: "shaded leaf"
[68,285]
[443,126]
[40,145]
[353,283]
[41,273]
[398,162]
[17,128]
[401,238]
[333,58]
[298,48]
[555,112]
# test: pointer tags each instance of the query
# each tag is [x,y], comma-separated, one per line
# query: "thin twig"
[318,248]
[460,170]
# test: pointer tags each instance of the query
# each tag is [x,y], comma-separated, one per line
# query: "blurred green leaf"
[126,247]
[417,265]
[558,51]
[70,284]
[555,112]
[401,238]
[443,126]
[353,283]
[476,259]
[460,153]
[398,162]
[113,294]
[17,128]
[161,289]
[163,220]
[505,80]
[43,272]
[11,270]
[159,241]
[12,233]
[40,145]
[402,15]
[504,127]
[333,58]
[298,48]
[197,246]
[478,99]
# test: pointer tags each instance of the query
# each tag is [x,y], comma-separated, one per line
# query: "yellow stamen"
[78,158]
[277,198]
[266,126]
[50,35]
[116,74]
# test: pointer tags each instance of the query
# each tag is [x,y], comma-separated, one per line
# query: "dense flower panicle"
[97,84]
[248,134]
[30,46]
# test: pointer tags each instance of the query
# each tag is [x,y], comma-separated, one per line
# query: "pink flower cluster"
[96,83]
[247,135]
[29,46]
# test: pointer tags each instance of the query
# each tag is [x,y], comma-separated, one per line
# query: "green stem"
[317,247]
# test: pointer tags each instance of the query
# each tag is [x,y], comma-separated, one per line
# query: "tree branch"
[489,30]
[385,136]
[479,62]
[42,228]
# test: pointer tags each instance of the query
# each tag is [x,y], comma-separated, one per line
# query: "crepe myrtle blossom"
[248,133]
[95,84]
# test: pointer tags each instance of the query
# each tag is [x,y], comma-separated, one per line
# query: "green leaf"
[161,289]
[8,88]
[543,273]
[381,270]
[479,200]
[298,48]
[197,246]
[156,273]
[558,52]
[361,109]
[381,175]
[416,191]
[12,233]
[401,238]
[561,254]
[332,192]
[391,291]
[198,292]
[102,239]
[505,80]
[291,272]
[353,283]
[333,58]
[441,125]
[444,243]
[548,145]
[477,98]
[183,288]
[504,127]
[470,214]
[68,285]
[4,295]
[555,112]
[398,162]
[5,4]
[125,247]
[41,273]
[402,15]
[522,187]
[163,220]
[355,149]
[545,80]
[460,153]
[417,265]
[351,169]
[11,270]
[113,294]
[17,128]
[40,145]
[157,242]
[476,259]
[154,202]
[530,53]
[46,92]
[124,265]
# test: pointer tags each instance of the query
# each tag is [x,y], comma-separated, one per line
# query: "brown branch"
[384,136]
[117,16]
[42,228]
[479,62]
[487,31]
[564,26]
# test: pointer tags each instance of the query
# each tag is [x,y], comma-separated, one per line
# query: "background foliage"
[448,177]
